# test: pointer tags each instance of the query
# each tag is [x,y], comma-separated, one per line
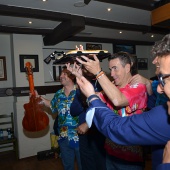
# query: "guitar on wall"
[35,119]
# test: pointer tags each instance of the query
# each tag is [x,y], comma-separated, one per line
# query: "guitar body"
[35,119]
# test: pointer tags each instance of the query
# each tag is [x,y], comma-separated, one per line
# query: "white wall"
[29,143]
[6,103]
[11,46]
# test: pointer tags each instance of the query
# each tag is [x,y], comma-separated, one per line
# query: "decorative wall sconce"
[53,56]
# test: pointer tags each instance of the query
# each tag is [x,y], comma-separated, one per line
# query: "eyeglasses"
[161,78]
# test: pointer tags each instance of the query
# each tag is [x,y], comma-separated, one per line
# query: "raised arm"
[148,128]
[75,69]
[112,92]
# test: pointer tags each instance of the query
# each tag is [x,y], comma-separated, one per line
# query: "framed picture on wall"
[142,63]
[33,59]
[3,72]
[57,69]
[93,46]
[126,48]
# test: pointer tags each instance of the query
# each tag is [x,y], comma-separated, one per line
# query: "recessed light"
[120,32]
[44,0]
[30,22]
[152,36]
[109,9]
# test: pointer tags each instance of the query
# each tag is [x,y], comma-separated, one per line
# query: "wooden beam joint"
[65,30]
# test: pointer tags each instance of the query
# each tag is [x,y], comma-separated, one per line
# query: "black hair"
[134,69]
[161,48]
[123,56]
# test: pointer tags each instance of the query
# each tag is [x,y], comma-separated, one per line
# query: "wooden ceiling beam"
[57,16]
[139,4]
[69,26]
[124,26]
[22,30]
[65,30]
[87,2]
[13,11]
[161,15]
[75,38]
[107,40]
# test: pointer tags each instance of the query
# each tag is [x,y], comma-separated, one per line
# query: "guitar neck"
[31,84]
[30,77]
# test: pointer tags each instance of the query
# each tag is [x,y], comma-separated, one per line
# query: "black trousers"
[92,152]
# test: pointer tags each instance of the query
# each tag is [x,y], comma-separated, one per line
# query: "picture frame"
[90,46]
[125,48]
[33,59]
[142,63]
[57,69]
[3,71]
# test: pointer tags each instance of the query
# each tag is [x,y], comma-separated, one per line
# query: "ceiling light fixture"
[30,22]
[152,36]
[109,9]
[120,32]
[79,4]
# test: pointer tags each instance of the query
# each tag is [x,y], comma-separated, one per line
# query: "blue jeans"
[114,164]
[68,155]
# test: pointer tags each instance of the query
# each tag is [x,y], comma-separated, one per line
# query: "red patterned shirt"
[137,98]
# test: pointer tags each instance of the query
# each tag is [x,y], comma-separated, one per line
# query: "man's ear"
[127,67]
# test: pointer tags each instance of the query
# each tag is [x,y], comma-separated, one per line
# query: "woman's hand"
[76,69]
[35,93]
[140,79]
[166,154]
[83,128]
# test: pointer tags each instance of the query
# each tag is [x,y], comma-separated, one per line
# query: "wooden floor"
[8,161]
